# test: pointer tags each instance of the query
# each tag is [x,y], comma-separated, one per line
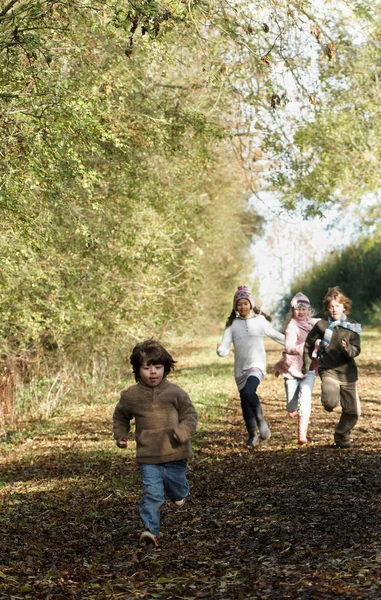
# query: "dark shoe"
[264,431]
[252,440]
[147,538]
[341,445]
[328,408]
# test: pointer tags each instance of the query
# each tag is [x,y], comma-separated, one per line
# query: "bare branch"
[8,7]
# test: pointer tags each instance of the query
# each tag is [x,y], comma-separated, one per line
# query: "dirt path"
[279,522]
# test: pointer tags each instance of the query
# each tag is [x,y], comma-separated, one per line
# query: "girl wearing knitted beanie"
[298,386]
[245,329]
[339,338]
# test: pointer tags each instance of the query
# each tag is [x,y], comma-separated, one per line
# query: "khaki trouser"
[334,391]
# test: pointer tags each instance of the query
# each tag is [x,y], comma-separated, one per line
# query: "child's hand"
[122,443]
[345,344]
[176,437]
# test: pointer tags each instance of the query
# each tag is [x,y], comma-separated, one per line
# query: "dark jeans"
[251,406]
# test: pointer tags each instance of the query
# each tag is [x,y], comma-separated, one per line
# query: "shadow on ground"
[278,522]
[275,523]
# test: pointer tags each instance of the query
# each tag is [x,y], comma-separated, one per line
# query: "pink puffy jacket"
[291,363]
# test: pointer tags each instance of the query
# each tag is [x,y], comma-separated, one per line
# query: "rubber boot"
[303,422]
[252,440]
[251,426]
[264,430]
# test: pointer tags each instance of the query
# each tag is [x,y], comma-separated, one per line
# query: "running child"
[165,420]
[298,386]
[340,344]
[245,329]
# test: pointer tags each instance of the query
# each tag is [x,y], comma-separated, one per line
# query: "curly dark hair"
[153,353]
[335,293]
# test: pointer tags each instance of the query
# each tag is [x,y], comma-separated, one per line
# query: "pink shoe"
[292,415]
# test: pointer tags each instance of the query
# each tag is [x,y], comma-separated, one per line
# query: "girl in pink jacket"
[298,386]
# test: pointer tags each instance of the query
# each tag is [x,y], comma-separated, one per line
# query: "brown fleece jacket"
[159,413]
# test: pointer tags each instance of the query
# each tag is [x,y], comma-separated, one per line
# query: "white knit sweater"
[247,335]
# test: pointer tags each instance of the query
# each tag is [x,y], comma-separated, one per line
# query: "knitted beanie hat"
[243,292]
[300,300]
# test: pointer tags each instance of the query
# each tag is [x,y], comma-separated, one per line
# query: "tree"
[356,270]
[330,156]
[107,226]
[132,137]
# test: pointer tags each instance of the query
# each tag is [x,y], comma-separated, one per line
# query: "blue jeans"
[169,478]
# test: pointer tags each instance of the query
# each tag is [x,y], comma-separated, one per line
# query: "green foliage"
[121,201]
[373,314]
[131,137]
[332,155]
[357,271]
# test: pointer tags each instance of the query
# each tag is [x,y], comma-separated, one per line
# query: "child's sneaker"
[148,538]
[179,503]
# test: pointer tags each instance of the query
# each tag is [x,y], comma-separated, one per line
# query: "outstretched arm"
[223,348]
[309,346]
[275,335]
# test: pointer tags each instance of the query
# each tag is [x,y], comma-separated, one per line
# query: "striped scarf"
[356,327]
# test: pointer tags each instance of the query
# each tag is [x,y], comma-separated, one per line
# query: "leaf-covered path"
[278,522]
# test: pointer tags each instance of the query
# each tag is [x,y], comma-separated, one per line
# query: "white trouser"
[299,393]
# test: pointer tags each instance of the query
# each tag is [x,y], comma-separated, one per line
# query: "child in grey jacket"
[165,420]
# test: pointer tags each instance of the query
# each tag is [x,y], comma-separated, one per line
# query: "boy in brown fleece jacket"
[339,345]
[165,420]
